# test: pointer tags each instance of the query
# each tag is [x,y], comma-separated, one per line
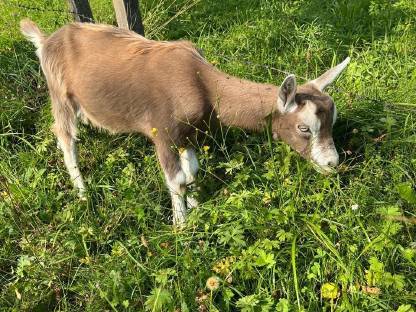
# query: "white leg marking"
[70,159]
[189,165]
[177,188]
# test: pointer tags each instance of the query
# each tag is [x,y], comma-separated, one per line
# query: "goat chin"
[325,170]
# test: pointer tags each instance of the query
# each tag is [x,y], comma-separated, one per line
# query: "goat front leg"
[189,165]
[175,180]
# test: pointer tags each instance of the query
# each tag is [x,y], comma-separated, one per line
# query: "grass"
[278,236]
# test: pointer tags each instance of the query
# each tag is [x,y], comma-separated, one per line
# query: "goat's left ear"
[286,96]
[330,75]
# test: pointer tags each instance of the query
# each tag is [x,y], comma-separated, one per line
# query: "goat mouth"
[325,170]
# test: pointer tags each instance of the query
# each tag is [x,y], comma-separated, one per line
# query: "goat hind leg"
[65,131]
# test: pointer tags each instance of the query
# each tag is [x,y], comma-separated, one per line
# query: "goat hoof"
[82,196]
[179,225]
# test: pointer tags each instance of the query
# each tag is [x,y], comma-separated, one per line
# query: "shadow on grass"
[25,91]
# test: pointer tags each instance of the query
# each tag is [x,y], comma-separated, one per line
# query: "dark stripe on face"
[302,97]
[324,111]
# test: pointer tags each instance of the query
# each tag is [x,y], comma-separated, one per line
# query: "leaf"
[162,276]
[247,303]
[329,291]
[375,274]
[282,305]
[265,259]
[231,235]
[394,280]
[406,192]
[376,265]
[24,261]
[255,303]
[184,307]
[158,299]
[390,211]
[405,308]
[315,271]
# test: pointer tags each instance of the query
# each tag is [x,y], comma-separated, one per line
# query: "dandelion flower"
[205,148]
[213,283]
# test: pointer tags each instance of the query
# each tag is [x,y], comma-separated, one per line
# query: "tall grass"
[276,235]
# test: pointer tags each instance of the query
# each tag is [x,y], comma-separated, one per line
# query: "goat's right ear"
[286,97]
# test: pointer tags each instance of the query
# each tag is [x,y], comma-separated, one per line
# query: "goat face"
[305,118]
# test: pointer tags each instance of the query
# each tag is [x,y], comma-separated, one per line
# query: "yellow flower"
[329,291]
[154,131]
[86,260]
[223,267]
[205,148]
[213,283]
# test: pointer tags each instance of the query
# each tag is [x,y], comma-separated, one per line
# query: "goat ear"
[330,75]
[286,96]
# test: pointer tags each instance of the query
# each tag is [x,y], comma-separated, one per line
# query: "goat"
[123,82]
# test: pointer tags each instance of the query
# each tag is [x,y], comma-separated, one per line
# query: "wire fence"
[376,100]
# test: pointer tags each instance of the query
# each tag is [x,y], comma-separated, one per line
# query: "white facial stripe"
[309,118]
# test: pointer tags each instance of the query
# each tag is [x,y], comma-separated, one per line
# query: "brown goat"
[123,82]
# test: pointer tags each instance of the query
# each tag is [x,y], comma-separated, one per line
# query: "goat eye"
[303,128]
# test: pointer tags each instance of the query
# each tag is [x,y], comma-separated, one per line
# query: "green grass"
[278,235]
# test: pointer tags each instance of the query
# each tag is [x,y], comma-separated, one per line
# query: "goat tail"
[32,32]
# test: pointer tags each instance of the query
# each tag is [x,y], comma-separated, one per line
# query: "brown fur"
[138,84]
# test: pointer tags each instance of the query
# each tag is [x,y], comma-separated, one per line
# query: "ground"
[271,234]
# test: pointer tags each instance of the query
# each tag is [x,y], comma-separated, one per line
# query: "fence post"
[128,15]
[81,10]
